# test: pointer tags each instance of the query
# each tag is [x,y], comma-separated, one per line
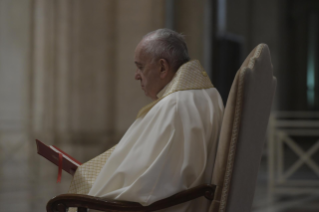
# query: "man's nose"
[137,75]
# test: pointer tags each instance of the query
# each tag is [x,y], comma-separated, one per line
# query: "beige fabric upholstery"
[243,133]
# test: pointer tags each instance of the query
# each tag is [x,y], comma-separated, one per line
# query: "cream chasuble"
[170,147]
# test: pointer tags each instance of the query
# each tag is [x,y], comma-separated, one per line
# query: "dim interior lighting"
[312,54]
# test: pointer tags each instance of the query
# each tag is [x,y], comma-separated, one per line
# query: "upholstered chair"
[243,133]
[239,149]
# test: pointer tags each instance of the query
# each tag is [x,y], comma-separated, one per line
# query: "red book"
[69,164]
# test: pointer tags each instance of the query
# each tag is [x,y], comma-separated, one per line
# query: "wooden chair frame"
[83,202]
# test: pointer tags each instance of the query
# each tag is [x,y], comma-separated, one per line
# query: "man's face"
[147,72]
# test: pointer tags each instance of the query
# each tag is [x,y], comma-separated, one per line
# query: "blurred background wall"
[67,75]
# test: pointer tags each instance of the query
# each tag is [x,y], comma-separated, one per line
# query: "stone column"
[15,19]
[73,71]
[133,20]
[83,77]
[189,20]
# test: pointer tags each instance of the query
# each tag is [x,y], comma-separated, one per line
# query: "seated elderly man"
[171,145]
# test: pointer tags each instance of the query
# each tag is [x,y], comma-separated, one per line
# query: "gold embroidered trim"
[190,76]
[256,56]
[147,108]
[233,142]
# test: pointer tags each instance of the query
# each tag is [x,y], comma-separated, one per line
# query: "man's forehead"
[141,56]
[138,59]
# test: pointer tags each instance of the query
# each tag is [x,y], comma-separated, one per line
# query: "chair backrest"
[243,132]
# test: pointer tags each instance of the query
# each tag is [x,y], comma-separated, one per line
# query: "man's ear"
[164,68]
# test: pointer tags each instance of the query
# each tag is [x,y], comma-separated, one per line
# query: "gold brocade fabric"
[86,174]
[190,76]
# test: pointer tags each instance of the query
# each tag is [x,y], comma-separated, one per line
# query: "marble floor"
[28,181]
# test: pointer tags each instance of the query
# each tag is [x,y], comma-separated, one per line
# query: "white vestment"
[170,147]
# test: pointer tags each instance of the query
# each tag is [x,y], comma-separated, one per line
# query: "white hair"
[167,44]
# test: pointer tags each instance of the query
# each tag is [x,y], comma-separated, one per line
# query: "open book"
[58,157]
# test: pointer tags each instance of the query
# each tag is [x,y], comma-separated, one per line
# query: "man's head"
[157,57]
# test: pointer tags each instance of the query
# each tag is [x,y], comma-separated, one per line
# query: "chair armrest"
[62,202]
